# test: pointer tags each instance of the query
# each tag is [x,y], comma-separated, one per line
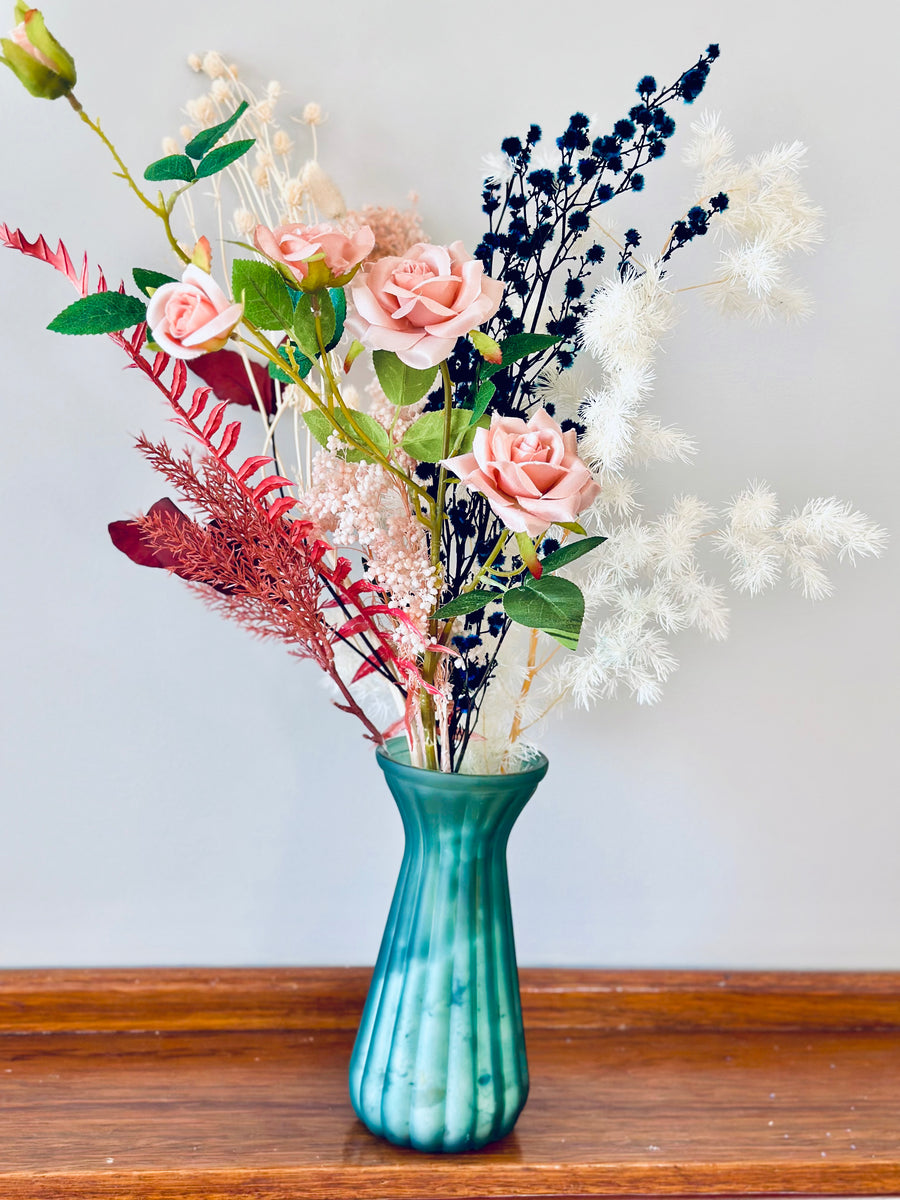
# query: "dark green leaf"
[222,157]
[267,300]
[339,303]
[173,166]
[424,440]
[550,603]
[520,345]
[321,429]
[569,552]
[150,279]
[104,312]
[467,602]
[207,138]
[483,397]
[294,358]
[401,384]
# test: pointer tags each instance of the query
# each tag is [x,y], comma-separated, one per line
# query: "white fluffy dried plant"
[651,579]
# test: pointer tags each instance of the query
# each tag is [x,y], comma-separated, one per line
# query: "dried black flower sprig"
[538,219]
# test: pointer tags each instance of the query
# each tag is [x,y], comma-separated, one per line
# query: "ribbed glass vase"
[439,1061]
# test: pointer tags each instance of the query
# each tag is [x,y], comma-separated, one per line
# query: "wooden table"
[231,1083]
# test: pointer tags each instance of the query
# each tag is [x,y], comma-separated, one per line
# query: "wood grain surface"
[191,998]
[637,1089]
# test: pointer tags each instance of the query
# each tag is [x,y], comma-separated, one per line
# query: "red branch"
[264,571]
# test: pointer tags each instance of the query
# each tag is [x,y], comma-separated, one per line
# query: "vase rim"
[537,765]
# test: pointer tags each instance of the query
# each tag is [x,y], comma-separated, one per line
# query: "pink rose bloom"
[299,247]
[418,305]
[192,317]
[529,471]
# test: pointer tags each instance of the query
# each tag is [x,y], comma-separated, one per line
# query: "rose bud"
[312,257]
[36,58]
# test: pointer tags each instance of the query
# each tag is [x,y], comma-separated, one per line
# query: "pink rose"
[418,305]
[193,317]
[529,471]
[316,256]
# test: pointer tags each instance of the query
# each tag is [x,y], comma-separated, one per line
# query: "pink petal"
[427,352]
[217,327]
[513,480]
[543,475]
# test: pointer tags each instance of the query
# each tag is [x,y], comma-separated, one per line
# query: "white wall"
[175,793]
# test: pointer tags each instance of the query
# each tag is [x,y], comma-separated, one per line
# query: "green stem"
[268,350]
[431,659]
[161,209]
[489,561]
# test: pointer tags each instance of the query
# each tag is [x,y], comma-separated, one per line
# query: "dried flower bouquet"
[443,512]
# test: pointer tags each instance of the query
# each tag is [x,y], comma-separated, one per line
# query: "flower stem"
[161,210]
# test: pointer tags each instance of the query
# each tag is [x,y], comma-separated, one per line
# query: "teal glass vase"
[439,1061]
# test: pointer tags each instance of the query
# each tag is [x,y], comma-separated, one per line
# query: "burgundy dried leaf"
[225,373]
[128,537]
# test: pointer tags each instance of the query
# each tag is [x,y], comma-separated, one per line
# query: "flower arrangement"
[443,511]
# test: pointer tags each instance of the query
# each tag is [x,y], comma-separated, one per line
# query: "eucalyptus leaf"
[173,166]
[267,300]
[204,141]
[147,280]
[569,553]
[466,602]
[222,157]
[103,312]
[401,384]
[321,428]
[552,604]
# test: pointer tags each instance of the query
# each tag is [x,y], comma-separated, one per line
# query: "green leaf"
[550,603]
[291,355]
[222,157]
[486,370]
[104,312]
[327,316]
[569,552]
[483,397]
[572,527]
[401,384]
[424,440]
[207,138]
[146,280]
[520,345]
[305,327]
[466,602]
[321,429]
[339,303]
[267,300]
[173,166]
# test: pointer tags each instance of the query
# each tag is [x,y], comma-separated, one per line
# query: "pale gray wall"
[175,793]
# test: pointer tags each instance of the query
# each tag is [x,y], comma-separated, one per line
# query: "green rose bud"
[36,58]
